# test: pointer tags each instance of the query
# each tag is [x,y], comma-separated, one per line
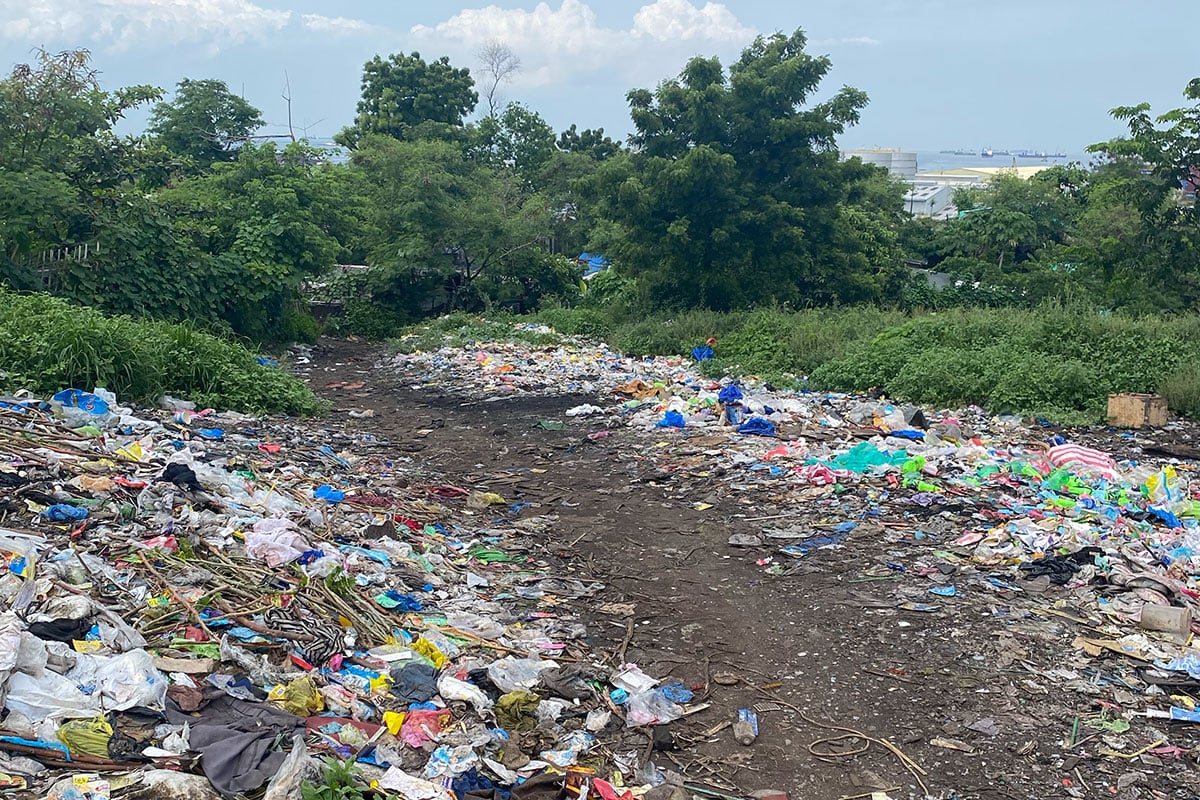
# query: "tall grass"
[47,344]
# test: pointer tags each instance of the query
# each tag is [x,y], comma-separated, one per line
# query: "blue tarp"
[594,263]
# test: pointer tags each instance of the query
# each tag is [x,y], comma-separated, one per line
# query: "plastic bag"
[49,696]
[286,783]
[86,737]
[276,541]
[121,682]
[517,674]
[650,708]
[300,697]
[451,688]
[482,627]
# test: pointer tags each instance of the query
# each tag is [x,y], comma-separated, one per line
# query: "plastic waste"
[745,728]
[451,688]
[62,512]
[286,783]
[517,674]
[672,419]
[650,708]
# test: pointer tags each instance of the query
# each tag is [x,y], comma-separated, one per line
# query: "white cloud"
[555,44]
[851,40]
[118,24]
[337,26]
[668,20]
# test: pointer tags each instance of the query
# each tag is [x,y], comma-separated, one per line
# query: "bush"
[1182,390]
[47,344]
[1054,361]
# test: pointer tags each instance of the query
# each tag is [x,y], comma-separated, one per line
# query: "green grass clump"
[1056,362]
[48,344]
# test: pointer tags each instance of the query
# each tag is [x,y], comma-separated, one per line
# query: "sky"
[1039,74]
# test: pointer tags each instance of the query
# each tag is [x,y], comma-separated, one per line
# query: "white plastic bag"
[49,696]
[650,708]
[517,674]
[475,624]
[123,681]
[451,688]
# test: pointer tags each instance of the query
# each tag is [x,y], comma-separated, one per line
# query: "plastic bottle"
[745,729]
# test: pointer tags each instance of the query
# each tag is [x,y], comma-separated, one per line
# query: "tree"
[519,139]
[58,154]
[589,142]
[1167,148]
[454,233]
[498,65]
[406,98]
[735,187]
[204,121]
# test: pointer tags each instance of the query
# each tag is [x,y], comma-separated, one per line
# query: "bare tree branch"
[498,64]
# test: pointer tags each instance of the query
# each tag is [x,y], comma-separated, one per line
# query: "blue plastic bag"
[61,512]
[672,419]
[730,394]
[329,494]
[77,398]
[757,426]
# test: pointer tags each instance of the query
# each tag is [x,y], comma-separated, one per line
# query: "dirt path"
[656,531]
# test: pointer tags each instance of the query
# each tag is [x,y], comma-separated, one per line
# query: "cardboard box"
[1132,410]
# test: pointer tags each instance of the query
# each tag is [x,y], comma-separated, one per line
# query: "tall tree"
[204,121]
[59,154]
[454,232]
[591,142]
[735,187]
[518,139]
[406,98]
[498,65]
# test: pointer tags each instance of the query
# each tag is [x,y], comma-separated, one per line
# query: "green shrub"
[1182,390]
[47,344]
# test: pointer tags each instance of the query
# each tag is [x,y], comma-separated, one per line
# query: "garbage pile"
[198,602]
[960,505]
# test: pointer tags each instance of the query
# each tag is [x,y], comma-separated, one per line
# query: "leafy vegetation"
[47,344]
[340,782]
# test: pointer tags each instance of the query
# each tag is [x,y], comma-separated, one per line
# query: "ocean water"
[933,161]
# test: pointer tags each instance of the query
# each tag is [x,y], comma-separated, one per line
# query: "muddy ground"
[979,673]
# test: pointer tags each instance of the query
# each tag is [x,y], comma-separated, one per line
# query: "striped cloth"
[1082,459]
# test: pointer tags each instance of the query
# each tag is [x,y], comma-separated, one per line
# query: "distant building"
[901,164]
[930,199]
[977,176]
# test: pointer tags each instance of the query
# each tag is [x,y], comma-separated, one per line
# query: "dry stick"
[179,599]
[913,767]
[625,642]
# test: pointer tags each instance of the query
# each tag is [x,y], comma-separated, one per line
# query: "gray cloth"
[414,683]
[237,740]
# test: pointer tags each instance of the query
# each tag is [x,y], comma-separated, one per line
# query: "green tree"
[590,142]
[518,139]
[452,232]
[1167,147]
[204,121]
[405,98]
[734,194]
[58,153]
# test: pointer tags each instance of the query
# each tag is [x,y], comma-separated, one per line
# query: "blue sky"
[940,73]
